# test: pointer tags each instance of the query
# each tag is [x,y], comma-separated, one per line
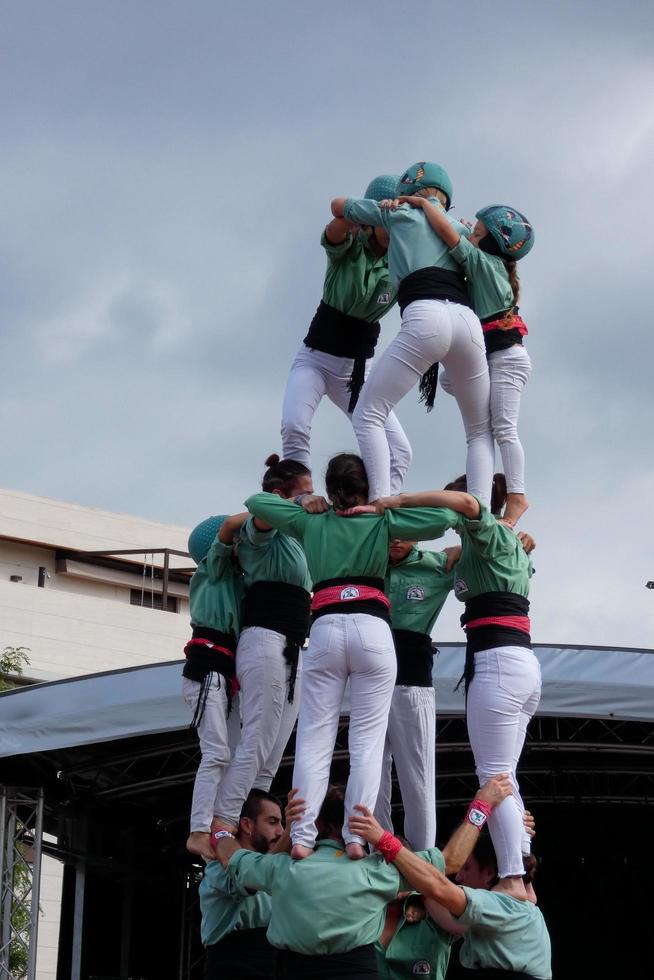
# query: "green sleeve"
[487,537]
[420,523]
[468,256]
[254,871]
[363,211]
[250,534]
[336,252]
[487,910]
[279,513]
[219,561]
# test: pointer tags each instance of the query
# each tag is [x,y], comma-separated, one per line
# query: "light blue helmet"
[425,175]
[382,188]
[512,232]
[201,537]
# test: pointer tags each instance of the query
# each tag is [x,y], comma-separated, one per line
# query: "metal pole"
[8,892]
[36,886]
[4,948]
[78,912]
[164,591]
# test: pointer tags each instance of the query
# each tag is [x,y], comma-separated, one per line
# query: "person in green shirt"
[501,237]
[412,943]
[234,920]
[438,325]
[334,357]
[502,674]
[274,627]
[350,635]
[417,584]
[215,593]
[502,933]
[327,912]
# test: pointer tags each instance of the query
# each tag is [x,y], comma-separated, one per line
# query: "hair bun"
[272,460]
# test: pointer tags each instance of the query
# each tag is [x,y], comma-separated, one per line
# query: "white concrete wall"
[50,905]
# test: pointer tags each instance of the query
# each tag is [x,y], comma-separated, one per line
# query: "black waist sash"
[497,604]
[415,658]
[492,972]
[244,954]
[337,333]
[284,608]
[359,962]
[203,660]
[371,607]
[432,283]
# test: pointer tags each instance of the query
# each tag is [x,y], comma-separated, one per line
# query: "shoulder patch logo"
[415,593]
[421,968]
[384,298]
[351,592]
[460,587]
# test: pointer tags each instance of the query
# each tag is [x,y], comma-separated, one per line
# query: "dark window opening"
[151,600]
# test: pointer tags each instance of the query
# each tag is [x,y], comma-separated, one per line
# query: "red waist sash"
[517,323]
[335,594]
[522,623]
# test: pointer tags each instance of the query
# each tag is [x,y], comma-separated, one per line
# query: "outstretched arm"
[338,229]
[436,217]
[462,842]
[231,526]
[463,503]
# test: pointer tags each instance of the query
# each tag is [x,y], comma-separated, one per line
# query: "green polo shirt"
[417,588]
[488,281]
[504,933]
[270,556]
[492,559]
[414,244]
[340,546]
[357,282]
[416,949]
[326,903]
[227,907]
[216,591]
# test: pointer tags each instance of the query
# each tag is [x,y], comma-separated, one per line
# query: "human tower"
[345,571]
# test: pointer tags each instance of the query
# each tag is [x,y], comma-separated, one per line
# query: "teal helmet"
[381,188]
[425,175]
[511,231]
[201,537]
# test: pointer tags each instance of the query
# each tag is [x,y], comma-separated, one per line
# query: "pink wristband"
[478,813]
[483,806]
[389,846]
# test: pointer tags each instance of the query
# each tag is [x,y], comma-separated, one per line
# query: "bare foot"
[516,505]
[355,851]
[513,886]
[199,843]
[299,851]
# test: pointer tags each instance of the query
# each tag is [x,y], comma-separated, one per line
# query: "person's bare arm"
[443,918]
[225,847]
[463,503]
[337,230]
[231,526]
[462,842]
[436,218]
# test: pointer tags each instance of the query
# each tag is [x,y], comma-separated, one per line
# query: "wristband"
[219,835]
[478,813]
[389,846]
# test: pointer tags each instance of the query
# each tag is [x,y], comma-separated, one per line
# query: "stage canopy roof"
[579,682]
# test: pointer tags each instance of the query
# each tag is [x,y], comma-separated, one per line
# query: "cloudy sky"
[166,169]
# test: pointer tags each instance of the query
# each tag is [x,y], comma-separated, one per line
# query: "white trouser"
[341,646]
[509,370]
[313,375]
[432,330]
[502,697]
[214,745]
[411,742]
[267,718]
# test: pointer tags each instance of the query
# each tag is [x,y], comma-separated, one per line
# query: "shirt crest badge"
[460,587]
[349,593]
[384,298]
[421,968]
[415,593]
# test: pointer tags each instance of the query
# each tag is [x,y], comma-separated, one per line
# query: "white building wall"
[81,622]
